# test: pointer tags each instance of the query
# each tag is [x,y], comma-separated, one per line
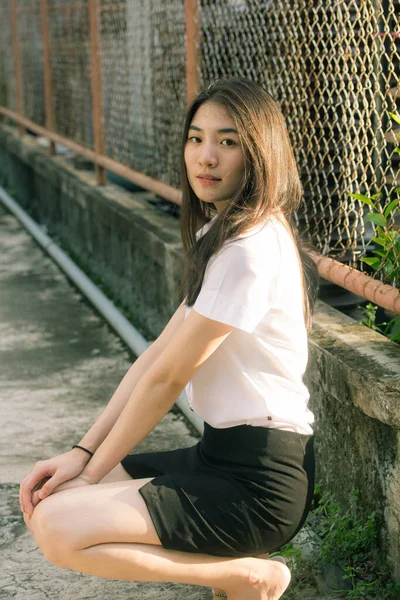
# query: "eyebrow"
[226,130]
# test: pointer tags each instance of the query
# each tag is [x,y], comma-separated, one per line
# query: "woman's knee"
[48,524]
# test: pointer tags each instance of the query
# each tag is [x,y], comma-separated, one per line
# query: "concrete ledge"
[362,363]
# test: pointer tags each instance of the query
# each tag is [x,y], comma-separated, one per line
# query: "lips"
[208,176]
[208,180]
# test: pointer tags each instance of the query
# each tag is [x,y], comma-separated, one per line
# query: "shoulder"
[239,281]
[255,245]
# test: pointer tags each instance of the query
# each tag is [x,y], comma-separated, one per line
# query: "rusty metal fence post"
[48,92]
[96,86]
[193,32]
[2,78]
[17,63]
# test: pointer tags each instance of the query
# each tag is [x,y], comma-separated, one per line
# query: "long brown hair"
[270,184]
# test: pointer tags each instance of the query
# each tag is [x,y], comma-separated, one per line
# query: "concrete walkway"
[59,365]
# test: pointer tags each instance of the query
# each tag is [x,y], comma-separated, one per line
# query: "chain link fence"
[333,67]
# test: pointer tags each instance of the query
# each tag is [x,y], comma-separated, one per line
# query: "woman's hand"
[49,474]
[79,481]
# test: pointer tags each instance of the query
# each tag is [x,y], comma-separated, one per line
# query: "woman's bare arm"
[49,474]
[102,427]
[193,342]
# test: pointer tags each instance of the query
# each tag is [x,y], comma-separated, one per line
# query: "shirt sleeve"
[237,287]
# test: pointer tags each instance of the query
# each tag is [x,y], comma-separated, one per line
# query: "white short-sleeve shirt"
[255,376]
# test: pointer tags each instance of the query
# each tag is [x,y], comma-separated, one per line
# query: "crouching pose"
[209,514]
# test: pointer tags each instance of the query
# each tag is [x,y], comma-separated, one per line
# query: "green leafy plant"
[303,573]
[344,537]
[347,539]
[350,541]
[387,257]
[391,328]
[369,316]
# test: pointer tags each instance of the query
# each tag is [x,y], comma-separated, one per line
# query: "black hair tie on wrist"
[82,448]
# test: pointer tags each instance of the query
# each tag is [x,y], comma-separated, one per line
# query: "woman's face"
[213,156]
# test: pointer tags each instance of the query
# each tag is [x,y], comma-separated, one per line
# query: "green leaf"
[380,253]
[362,198]
[377,195]
[396,150]
[391,207]
[377,219]
[395,333]
[372,262]
[388,269]
[396,118]
[379,240]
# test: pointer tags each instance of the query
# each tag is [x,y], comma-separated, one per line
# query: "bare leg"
[106,530]
[242,579]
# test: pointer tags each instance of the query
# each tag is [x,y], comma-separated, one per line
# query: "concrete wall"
[118,237]
[354,379]
[135,251]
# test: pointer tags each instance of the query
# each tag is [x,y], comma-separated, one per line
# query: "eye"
[194,139]
[228,142]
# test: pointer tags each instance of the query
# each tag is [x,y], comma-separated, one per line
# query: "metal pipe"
[48,91]
[96,86]
[357,282]
[17,61]
[124,328]
[193,32]
[68,7]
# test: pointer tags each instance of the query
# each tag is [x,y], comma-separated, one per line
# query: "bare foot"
[268,581]
[218,593]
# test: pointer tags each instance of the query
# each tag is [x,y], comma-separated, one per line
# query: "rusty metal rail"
[157,187]
[359,283]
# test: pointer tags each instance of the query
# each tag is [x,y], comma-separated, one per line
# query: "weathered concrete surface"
[59,365]
[354,380]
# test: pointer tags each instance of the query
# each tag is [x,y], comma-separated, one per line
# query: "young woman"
[205,515]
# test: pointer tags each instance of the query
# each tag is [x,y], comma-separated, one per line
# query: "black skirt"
[240,491]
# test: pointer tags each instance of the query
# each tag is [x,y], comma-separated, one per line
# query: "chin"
[205,198]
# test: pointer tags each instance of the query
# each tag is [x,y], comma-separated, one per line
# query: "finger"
[49,486]
[20,493]
[35,499]
[29,484]
[25,494]
[40,484]
[22,484]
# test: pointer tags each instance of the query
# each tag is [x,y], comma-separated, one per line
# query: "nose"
[207,155]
